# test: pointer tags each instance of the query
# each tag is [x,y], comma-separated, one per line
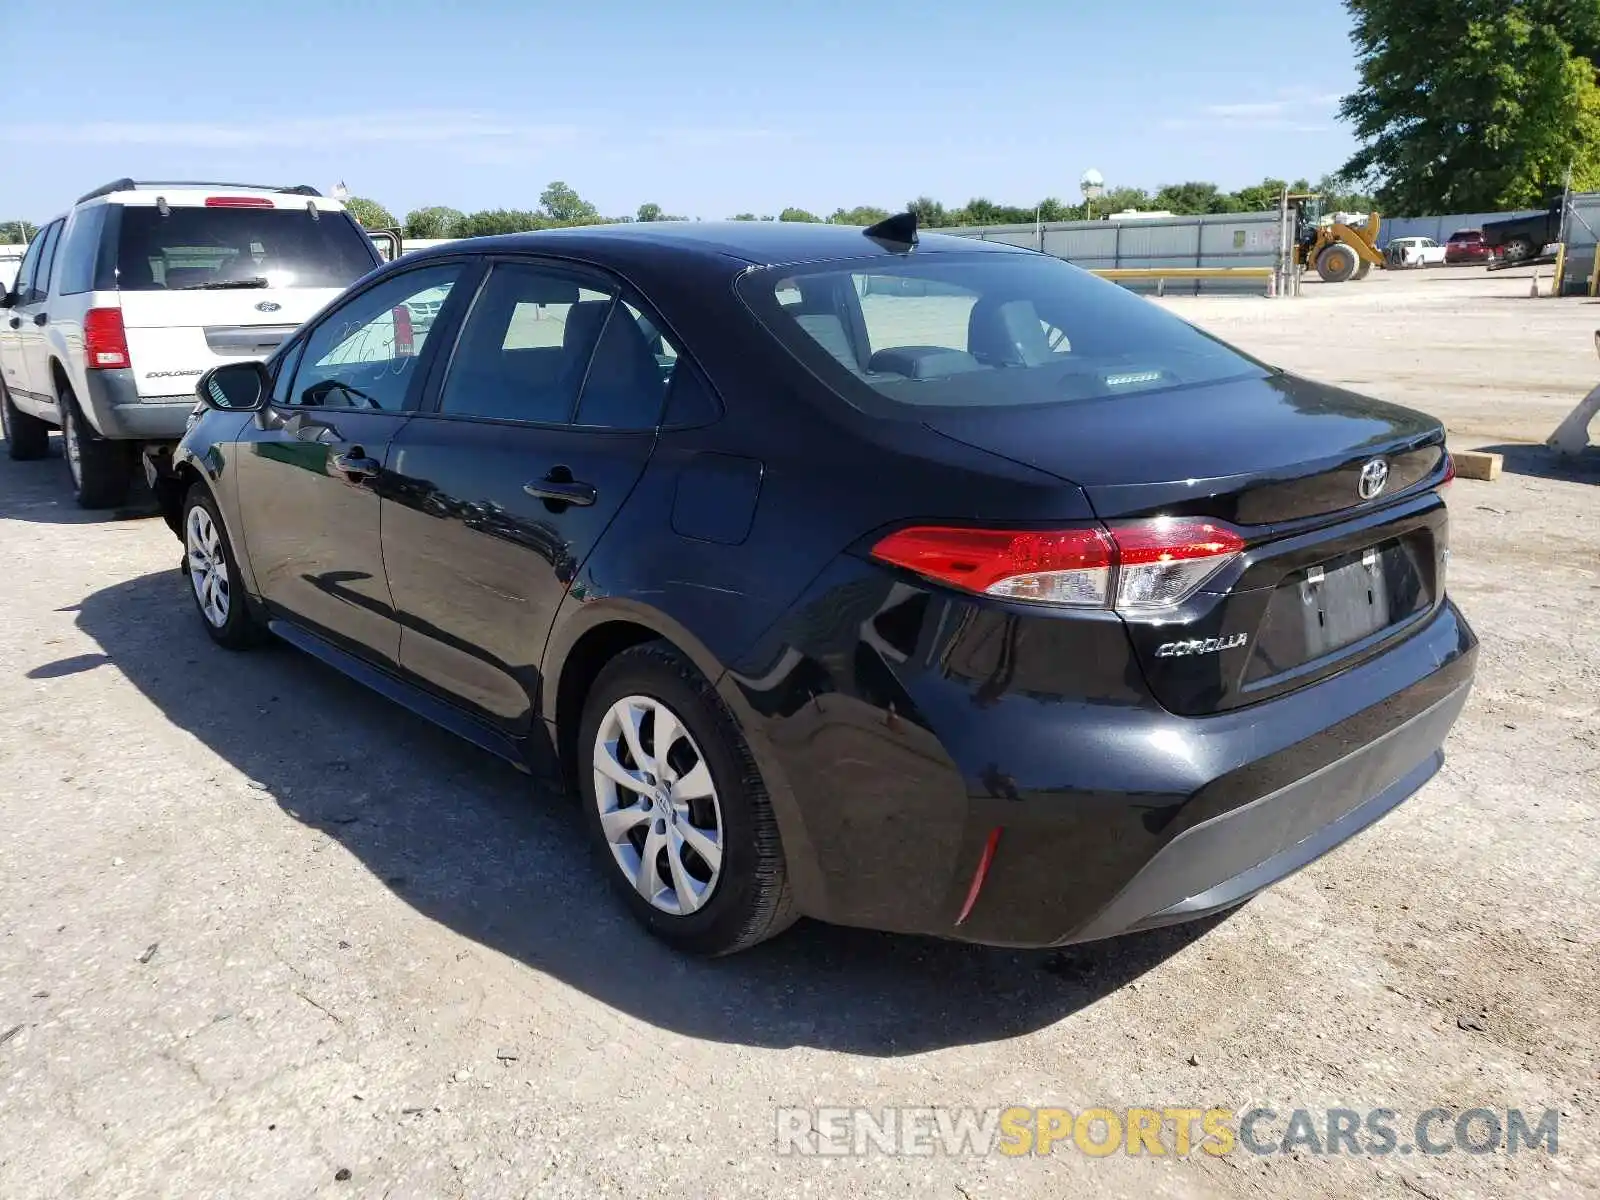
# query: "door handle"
[356,464]
[556,490]
[41,318]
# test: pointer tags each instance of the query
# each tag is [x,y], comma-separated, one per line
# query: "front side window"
[47,258]
[980,330]
[195,248]
[30,261]
[365,353]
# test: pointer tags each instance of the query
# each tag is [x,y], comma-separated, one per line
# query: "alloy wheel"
[208,566]
[658,805]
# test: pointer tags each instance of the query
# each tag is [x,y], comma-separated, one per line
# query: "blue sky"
[704,108]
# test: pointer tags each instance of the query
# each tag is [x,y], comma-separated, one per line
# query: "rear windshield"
[1467,235]
[194,248]
[969,331]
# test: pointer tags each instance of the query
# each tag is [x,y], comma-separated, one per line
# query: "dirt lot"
[257,926]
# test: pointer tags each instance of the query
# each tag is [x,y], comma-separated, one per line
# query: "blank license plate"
[1344,604]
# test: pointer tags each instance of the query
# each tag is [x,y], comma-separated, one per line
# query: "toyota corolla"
[917,583]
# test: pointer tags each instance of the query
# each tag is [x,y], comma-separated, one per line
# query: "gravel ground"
[258,928]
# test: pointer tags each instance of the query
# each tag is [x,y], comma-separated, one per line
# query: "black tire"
[101,471]
[1337,263]
[240,628]
[1365,269]
[750,899]
[1517,249]
[27,437]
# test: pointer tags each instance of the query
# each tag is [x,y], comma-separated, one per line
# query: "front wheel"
[214,574]
[677,808]
[101,470]
[27,437]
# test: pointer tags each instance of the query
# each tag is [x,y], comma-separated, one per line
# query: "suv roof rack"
[133,185]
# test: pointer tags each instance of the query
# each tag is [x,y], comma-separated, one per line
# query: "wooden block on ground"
[1477,464]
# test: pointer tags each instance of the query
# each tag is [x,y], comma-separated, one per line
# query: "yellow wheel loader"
[1334,250]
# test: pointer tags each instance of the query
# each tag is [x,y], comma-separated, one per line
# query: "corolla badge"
[1200,646]
[1373,477]
[268,306]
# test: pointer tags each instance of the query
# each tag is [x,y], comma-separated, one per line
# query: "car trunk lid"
[1331,572]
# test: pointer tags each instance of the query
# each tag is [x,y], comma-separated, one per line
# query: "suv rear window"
[1467,235]
[989,330]
[192,248]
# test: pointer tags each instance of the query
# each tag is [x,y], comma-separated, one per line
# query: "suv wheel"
[676,807]
[27,437]
[101,470]
[214,574]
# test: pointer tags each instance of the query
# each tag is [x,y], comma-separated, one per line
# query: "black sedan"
[926,584]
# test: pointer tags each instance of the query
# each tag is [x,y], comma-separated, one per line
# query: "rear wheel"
[101,470]
[27,437]
[1519,248]
[1363,269]
[1336,263]
[676,806]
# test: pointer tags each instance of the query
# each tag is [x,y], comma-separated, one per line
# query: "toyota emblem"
[268,306]
[1373,477]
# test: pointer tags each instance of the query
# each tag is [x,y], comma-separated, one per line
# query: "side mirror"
[235,387]
[9,300]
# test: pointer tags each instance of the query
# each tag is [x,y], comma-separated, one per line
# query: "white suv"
[120,305]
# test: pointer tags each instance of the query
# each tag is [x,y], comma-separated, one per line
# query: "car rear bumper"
[116,410]
[1224,861]
[889,777]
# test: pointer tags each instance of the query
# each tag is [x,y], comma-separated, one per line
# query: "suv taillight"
[105,342]
[1138,565]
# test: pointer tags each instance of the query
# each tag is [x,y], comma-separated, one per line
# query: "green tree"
[930,213]
[435,222]
[747,216]
[1121,199]
[500,220]
[863,215]
[370,214]
[798,214]
[1340,194]
[13,233]
[1259,197]
[1194,198]
[1491,117]
[1052,209]
[565,207]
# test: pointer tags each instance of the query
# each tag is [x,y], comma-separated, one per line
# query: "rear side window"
[990,330]
[197,248]
[526,344]
[79,249]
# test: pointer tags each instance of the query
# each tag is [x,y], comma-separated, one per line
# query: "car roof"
[760,243]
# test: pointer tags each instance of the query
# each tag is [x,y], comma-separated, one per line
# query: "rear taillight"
[1449,470]
[1138,565]
[105,342]
[239,202]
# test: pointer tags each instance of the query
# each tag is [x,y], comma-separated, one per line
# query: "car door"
[310,468]
[539,429]
[16,327]
[34,313]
